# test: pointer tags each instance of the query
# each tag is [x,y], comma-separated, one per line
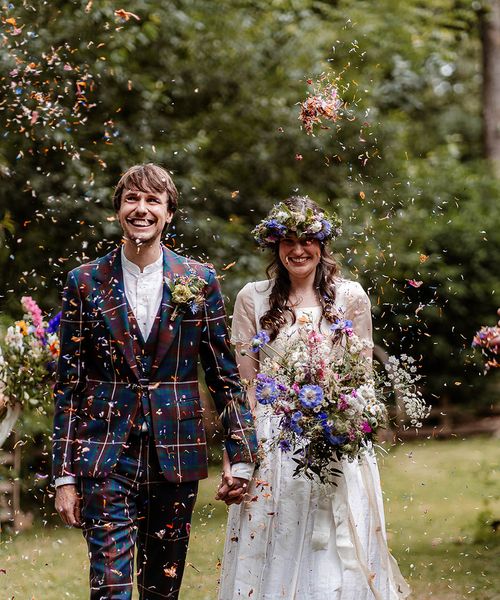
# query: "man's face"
[143,215]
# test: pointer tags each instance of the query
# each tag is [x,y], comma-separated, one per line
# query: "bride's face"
[300,257]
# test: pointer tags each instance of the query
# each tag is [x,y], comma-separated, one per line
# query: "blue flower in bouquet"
[311,396]
[267,390]
[328,431]
[259,341]
[341,325]
[53,325]
[335,440]
[294,422]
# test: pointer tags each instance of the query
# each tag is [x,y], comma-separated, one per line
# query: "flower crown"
[282,222]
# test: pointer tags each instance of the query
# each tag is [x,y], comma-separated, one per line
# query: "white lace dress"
[294,540]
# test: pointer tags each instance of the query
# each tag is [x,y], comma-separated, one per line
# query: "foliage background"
[211,90]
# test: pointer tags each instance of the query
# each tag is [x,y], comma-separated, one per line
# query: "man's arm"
[69,383]
[222,378]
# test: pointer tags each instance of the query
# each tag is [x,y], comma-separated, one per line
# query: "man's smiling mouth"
[140,222]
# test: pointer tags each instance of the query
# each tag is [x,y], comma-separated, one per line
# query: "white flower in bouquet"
[356,402]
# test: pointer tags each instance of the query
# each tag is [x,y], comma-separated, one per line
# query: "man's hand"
[68,504]
[231,490]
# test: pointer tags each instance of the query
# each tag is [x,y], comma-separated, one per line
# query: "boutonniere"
[186,292]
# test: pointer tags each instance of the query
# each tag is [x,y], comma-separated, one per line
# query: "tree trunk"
[490,38]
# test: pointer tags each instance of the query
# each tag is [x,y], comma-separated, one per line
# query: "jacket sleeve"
[221,376]
[70,379]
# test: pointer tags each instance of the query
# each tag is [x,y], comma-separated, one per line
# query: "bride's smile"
[301,256]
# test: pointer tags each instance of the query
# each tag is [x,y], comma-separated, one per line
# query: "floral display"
[329,400]
[483,340]
[283,222]
[323,104]
[30,349]
[186,292]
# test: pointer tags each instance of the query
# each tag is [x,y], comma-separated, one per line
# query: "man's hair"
[147,178]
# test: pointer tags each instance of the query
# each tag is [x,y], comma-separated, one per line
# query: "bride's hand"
[231,490]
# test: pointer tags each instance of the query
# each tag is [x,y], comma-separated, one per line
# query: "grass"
[434,492]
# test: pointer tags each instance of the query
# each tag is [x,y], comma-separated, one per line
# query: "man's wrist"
[67,480]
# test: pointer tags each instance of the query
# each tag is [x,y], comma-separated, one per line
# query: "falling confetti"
[323,104]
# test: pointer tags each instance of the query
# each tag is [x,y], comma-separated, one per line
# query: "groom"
[129,446]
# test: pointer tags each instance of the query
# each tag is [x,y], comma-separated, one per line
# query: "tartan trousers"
[135,505]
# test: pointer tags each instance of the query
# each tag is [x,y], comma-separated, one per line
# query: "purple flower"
[53,325]
[311,396]
[275,227]
[342,325]
[259,341]
[285,445]
[325,230]
[266,390]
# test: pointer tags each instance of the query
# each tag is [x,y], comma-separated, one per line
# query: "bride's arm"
[243,329]
[359,312]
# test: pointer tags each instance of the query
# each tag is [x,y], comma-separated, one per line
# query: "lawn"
[434,493]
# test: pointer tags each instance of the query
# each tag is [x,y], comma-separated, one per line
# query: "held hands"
[232,490]
[68,504]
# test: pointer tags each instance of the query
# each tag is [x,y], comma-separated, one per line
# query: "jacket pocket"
[190,408]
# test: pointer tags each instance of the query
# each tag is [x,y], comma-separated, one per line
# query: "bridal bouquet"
[30,349]
[329,400]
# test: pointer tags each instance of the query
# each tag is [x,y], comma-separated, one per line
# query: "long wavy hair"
[324,282]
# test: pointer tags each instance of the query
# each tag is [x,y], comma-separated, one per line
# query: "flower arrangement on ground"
[484,340]
[30,349]
[329,400]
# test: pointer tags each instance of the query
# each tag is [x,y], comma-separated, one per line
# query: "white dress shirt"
[144,290]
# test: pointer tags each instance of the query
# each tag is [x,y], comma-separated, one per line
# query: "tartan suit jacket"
[97,392]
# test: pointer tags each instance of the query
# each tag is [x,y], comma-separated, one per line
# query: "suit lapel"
[170,318]
[109,294]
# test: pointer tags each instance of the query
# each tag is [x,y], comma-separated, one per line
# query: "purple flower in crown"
[275,228]
[259,341]
[326,230]
[266,390]
[311,396]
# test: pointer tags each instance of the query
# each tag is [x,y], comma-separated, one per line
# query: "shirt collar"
[134,270]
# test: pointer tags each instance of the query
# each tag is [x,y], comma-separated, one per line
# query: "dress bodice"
[252,302]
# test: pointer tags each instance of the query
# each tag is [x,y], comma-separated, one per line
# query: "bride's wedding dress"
[296,539]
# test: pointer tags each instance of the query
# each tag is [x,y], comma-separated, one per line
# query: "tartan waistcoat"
[144,352]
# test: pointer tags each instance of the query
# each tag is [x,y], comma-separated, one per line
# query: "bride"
[292,538]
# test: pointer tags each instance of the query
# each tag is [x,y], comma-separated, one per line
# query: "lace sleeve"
[243,327]
[359,312]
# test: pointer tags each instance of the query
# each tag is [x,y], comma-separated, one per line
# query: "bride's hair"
[324,282]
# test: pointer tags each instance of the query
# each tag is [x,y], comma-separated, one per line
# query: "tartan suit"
[98,391]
